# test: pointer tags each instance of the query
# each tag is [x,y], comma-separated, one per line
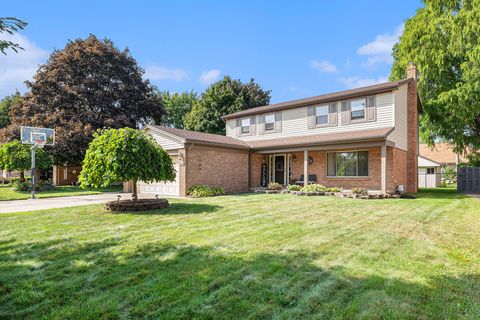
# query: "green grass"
[246,256]
[6,192]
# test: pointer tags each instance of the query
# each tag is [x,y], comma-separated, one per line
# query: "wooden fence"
[468,179]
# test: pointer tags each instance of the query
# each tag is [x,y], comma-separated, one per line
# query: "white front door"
[162,188]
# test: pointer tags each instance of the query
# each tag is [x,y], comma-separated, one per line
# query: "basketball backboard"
[35,136]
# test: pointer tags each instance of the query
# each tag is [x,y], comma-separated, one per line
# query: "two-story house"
[365,137]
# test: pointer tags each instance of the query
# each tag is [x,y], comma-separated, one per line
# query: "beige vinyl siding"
[230,128]
[166,142]
[295,122]
[400,134]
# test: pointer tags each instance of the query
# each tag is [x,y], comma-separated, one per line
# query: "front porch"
[349,166]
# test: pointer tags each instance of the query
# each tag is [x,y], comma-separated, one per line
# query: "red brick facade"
[396,169]
[319,168]
[412,152]
[216,167]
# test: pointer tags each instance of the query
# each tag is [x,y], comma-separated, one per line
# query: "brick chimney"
[412,71]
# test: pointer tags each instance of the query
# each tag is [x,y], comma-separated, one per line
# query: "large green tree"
[125,155]
[10,25]
[221,98]
[17,156]
[88,85]
[443,40]
[177,106]
[5,105]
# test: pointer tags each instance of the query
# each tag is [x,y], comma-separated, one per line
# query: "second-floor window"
[269,122]
[321,115]
[357,108]
[245,125]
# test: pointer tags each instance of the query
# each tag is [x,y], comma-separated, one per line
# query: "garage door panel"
[162,188]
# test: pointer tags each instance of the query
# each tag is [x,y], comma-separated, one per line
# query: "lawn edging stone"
[139,205]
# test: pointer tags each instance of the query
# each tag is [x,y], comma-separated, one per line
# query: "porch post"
[383,171]
[305,167]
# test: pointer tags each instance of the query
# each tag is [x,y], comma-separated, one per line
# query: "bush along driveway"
[247,256]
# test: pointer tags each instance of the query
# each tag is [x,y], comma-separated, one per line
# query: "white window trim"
[336,168]
[242,126]
[319,125]
[364,110]
[265,123]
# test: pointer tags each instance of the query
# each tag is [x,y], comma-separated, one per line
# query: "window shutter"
[332,114]
[238,128]
[278,121]
[371,109]
[311,117]
[253,126]
[346,116]
[261,124]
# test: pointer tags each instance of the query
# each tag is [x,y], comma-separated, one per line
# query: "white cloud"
[162,73]
[323,66]
[357,82]
[380,50]
[16,68]
[208,77]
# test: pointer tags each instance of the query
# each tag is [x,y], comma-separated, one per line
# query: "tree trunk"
[135,197]
[22,176]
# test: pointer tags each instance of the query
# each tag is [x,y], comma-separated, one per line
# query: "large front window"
[347,164]
[269,122]
[358,109]
[321,115]
[246,125]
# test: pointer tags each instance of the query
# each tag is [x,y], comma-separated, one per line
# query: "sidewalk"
[62,202]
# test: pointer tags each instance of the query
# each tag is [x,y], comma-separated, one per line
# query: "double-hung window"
[347,164]
[270,122]
[321,115]
[245,125]
[357,108]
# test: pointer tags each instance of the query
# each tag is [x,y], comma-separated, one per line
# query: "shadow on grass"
[440,193]
[179,208]
[65,279]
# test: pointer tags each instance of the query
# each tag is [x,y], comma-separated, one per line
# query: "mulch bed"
[139,205]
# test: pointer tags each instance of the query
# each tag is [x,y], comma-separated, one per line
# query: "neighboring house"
[10,174]
[443,154]
[65,175]
[365,137]
[429,173]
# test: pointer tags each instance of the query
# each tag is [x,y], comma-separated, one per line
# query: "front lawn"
[246,256]
[6,192]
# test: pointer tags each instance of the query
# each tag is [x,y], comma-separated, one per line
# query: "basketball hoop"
[37,138]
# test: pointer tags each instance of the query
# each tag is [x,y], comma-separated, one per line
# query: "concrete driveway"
[62,202]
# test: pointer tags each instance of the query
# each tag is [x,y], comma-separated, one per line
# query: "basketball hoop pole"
[33,170]
[37,138]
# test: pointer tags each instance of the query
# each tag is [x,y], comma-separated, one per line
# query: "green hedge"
[199,191]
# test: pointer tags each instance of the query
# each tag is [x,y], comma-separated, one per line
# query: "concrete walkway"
[474,195]
[62,202]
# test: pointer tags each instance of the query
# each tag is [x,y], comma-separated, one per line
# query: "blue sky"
[294,48]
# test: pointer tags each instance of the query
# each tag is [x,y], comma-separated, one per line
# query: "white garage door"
[162,188]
